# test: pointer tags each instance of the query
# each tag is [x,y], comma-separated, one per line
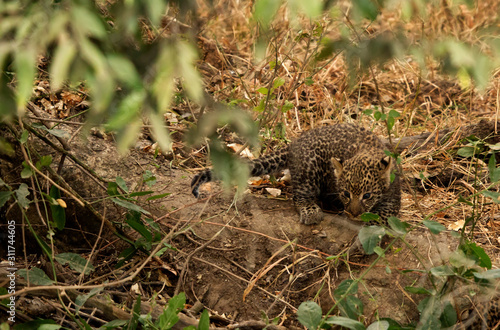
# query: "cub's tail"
[198,180]
[268,164]
[271,163]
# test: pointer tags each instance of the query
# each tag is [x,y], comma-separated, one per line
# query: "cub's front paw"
[310,215]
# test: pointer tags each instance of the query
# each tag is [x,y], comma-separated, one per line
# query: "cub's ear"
[337,166]
[386,167]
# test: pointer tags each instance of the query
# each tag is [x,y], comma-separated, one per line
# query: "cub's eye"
[347,194]
[367,196]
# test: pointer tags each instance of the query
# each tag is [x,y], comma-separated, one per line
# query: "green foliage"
[345,322]
[21,195]
[309,315]
[38,324]
[106,53]
[399,227]
[228,167]
[368,217]
[350,306]
[370,236]
[150,235]
[204,323]
[82,298]
[170,317]
[58,212]
[434,227]
[136,312]
[76,262]
[36,276]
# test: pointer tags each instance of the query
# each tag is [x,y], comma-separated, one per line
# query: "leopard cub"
[343,161]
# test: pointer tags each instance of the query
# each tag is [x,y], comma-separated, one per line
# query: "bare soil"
[243,257]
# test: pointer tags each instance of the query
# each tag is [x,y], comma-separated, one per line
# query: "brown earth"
[243,257]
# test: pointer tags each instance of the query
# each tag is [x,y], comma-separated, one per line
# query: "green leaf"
[164,83]
[368,217]
[88,22]
[204,323]
[121,183]
[431,311]
[113,189]
[261,106]
[152,198]
[187,57]
[379,251]
[278,82]
[141,193]
[493,169]
[24,137]
[128,110]
[126,255]
[463,200]
[156,9]
[370,236]
[36,276]
[61,62]
[346,323]
[44,161]
[38,324]
[58,212]
[82,298]
[287,106]
[310,8]
[75,262]
[495,197]
[488,275]
[136,312]
[21,193]
[53,131]
[129,206]
[124,70]
[379,325]
[393,325]
[4,197]
[434,227]
[390,123]
[449,316]
[309,314]
[350,305]
[459,259]
[443,270]
[398,226]
[265,10]
[477,253]
[149,178]
[367,9]
[394,114]
[134,221]
[161,133]
[26,172]
[466,152]
[169,317]
[263,90]
[114,324]
[417,290]
[309,81]
[25,65]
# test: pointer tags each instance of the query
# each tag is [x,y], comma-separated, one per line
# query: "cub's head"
[362,181]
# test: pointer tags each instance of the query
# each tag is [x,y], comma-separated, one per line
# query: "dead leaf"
[236,147]
[456,226]
[274,192]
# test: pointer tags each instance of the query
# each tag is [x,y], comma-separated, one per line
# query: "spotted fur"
[344,161]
